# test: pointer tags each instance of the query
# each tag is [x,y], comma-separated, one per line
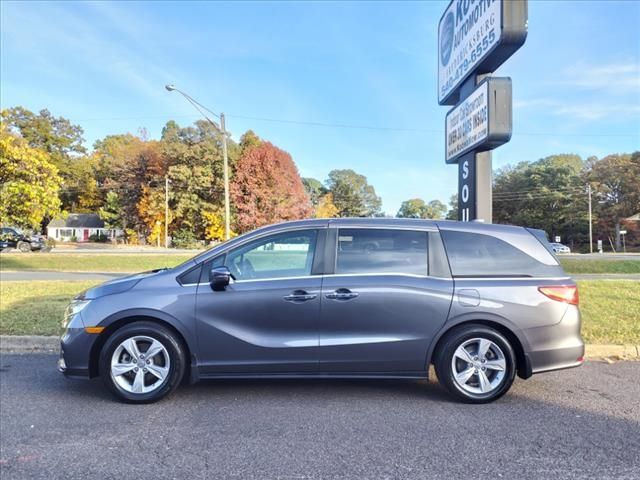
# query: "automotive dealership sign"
[476,37]
[481,122]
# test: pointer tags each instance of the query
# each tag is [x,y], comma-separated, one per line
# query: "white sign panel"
[468,31]
[467,125]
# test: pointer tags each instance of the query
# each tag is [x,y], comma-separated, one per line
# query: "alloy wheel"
[140,364]
[478,366]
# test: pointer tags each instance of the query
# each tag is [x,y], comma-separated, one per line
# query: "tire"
[148,379]
[24,247]
[477,378]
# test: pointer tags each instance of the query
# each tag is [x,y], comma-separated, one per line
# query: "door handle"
[298,296]
[342,294]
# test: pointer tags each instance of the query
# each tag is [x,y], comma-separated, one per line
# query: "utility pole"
[222,129]
[166,211]
[227,231]
[590,225]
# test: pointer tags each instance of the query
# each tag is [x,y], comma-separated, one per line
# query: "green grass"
[610,311]
[610,308]
[573,265]
[35,308]
[90,262]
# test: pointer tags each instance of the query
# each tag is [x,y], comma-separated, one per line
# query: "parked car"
[560,248]
[12,237]
[483,303]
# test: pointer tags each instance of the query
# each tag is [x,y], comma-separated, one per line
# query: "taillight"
[562,293]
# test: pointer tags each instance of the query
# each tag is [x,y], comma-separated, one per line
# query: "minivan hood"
[117,285]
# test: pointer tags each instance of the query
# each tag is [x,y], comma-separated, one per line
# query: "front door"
[381,308]
[266,321]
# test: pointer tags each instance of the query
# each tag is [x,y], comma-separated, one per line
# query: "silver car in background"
[342,298]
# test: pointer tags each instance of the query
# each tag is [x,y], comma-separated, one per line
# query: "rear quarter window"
[479,255]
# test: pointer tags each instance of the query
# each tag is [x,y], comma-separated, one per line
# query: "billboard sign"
[481,122]
[467,188]
[476,37]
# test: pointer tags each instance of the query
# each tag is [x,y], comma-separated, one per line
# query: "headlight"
[74,308]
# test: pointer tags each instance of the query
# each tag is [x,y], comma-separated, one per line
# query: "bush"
[184,239]
[98,237]
[73,239]
[51,243]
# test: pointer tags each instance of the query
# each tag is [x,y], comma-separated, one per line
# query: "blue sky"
[576,81]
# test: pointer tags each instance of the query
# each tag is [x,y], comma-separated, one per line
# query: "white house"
[79,226]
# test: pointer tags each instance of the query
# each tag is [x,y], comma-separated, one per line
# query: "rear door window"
[373,250]
[478,255]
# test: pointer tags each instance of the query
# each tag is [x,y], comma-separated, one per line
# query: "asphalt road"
[581,423]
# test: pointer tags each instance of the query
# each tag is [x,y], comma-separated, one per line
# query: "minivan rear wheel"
[476,364]
[142,362]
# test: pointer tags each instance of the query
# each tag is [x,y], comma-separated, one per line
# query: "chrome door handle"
[341,294]
[299,296]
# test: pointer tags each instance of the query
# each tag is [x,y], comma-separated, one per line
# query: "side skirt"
[320,375]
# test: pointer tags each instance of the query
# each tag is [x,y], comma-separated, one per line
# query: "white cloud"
[614,78]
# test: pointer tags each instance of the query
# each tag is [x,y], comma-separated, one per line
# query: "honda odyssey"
[339,298]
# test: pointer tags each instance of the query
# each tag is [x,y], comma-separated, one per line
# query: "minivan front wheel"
[142,362]
[476,364]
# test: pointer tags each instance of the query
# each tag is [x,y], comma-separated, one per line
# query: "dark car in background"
[341,298]
[12,237]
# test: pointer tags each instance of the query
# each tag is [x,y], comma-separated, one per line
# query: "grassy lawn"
[88,262]
[610,308]
[35,308]
[572,265]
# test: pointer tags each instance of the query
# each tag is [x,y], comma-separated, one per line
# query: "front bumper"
[556,346]
[75,353]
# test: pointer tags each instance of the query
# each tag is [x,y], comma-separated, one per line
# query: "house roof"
[635,217]
[78,220]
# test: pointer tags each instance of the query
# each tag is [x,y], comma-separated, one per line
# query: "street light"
[198,106]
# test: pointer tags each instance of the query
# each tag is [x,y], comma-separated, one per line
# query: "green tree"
[615,181]
[111,212]
[417,208]
[452,214]
[352,194]
[548,194]
[315,190]
[29,183]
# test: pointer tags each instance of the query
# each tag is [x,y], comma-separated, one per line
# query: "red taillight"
[562,293]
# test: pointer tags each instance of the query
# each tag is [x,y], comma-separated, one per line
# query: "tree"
[61,139]
[452,214]
[615,181]
[417,208]
[29,183]
[352,195]
[267,188]
[548,194]
[326,207]
[315,190]
[111,213]
[151,209]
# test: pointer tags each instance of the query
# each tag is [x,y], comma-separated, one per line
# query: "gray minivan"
[357,298]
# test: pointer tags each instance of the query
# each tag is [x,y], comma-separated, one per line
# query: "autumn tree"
[417,208]
[326,208]
[352,194]
[29,183]
[267,188]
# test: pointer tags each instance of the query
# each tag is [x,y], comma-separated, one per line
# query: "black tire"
[24,247]
[169,341]
[445,358]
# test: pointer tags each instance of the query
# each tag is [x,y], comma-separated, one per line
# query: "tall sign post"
[475,37]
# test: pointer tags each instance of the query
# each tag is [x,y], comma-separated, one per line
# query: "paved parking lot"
[580,423]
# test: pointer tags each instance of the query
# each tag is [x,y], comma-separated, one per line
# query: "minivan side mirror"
[219,278]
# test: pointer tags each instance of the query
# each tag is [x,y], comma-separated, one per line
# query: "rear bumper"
[557,346]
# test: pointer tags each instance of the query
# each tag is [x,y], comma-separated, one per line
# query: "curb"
[42,343]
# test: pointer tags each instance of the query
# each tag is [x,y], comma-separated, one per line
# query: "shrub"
[184,239]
